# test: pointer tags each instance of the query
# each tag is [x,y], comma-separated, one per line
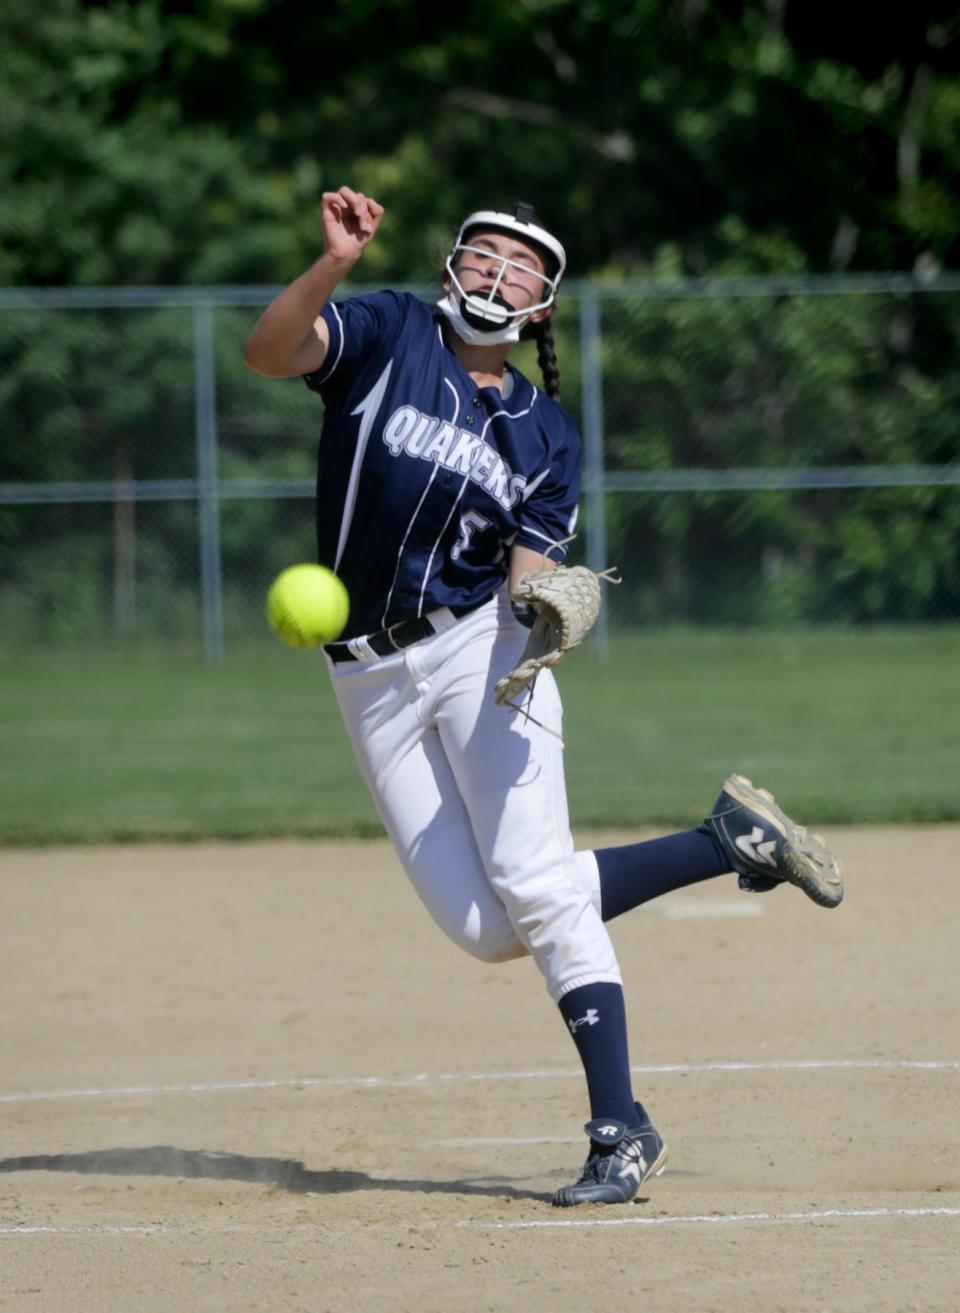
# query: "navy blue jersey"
[425,481]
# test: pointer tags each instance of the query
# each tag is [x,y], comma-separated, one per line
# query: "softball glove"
[566,602]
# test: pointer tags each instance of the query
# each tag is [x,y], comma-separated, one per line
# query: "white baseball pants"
[474,798]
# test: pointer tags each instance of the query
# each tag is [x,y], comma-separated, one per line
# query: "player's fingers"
[353,207]
[375,213]
[355,201]
[331,203]
[368,221]
[360,206]
[348,204]
[355,204]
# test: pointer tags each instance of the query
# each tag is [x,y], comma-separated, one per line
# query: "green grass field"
[846,726]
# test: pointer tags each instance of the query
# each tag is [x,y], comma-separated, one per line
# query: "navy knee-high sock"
[637,872]
[597,1019]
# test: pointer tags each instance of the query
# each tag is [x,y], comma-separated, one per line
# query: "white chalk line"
[154,1229]
[81,1230]
[456,1077]
[682,1219]
[713,1219]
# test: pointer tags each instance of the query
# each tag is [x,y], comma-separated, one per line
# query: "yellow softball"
[307,605]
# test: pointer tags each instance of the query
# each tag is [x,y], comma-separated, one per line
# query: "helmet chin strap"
[469,332]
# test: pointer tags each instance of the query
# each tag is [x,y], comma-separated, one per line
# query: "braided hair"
[542,334]
[547,359]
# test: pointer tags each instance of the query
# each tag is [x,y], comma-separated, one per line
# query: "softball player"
[445,476]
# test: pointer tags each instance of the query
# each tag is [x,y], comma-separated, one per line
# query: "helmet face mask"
[491,308]
[487,317]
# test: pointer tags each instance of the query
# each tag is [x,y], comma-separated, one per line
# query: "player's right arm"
[290,337]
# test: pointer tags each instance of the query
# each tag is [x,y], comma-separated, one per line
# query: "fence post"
[205,402]
[592,382]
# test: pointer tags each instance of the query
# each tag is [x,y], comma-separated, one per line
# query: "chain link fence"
[758,452]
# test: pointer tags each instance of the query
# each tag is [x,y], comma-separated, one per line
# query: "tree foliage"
[152,142]
[165,142]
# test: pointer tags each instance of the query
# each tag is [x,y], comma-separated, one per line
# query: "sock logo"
[756,851]
[590,1019]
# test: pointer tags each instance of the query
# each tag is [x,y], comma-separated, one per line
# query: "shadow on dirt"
[285,1173]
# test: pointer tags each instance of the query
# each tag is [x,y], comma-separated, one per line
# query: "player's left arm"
[524,560]
[560,602]
[549,501]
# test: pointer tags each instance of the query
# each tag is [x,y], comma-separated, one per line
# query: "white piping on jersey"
[456,503]
[534,484]
[555,543]
[367,408]
[396,573]
[433,475]
[426,573]
[510,414]
[336,315]
[456,401]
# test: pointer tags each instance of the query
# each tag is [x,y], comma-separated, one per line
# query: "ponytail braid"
[547,359]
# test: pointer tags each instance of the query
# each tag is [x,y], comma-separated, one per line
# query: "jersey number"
[470,523]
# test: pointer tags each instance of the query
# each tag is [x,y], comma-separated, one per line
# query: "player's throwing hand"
[350,220]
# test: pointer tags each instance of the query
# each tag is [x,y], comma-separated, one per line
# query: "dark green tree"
[145,142]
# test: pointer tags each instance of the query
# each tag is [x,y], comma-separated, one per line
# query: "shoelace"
[591,1173]
[594,1168]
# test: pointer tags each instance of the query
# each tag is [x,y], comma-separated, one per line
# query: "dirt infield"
[257,1077]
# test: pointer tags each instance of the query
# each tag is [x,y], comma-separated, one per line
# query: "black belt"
[397,637]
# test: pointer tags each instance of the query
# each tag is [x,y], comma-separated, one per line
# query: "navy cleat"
[638,1152]
[766,848]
